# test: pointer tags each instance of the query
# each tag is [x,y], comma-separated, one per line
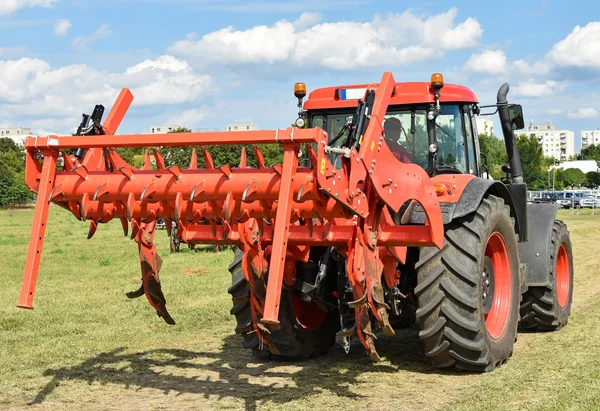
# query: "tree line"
[538,171]
[13,190]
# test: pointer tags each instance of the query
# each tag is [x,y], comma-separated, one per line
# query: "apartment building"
[559,144]
[17,135]
[590,137]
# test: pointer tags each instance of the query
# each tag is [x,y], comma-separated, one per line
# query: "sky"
[207,63]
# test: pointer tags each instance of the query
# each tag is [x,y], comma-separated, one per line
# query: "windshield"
[406,134]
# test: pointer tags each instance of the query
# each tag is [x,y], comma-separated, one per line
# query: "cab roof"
[405,93]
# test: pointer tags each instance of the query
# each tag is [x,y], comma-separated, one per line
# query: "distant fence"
[207,130]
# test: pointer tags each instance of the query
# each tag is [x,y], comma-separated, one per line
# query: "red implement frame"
[274,214]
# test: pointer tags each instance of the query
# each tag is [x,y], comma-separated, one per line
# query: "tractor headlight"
[433,148]
[300,122]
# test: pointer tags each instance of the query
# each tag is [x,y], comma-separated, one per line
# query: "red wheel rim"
[497,317]
[563,277]
[308,315]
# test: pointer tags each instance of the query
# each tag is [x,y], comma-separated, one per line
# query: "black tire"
[451,308]
[540,309]
[292,342]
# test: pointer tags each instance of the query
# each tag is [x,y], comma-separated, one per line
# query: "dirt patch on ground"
[195,271]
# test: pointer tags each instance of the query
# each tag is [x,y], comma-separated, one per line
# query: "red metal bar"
[289,135]
[335,235]
[280,238]
[257,184]
[38,230]
[112,122]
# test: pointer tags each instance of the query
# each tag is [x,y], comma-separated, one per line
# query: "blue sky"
[206,63]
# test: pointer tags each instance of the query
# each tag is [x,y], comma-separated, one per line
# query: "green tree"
[590,153]
[532,159]
[12,174]
[573,177]
[592,179]
[495,152]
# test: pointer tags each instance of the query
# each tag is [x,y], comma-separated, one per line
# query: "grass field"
[87,346]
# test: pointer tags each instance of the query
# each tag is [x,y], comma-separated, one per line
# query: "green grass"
[87,346]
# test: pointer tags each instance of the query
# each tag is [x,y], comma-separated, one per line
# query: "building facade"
[18,135]
[484,125]
[163,129]
[590,137]
[559,144]
[242,127]
[584,165]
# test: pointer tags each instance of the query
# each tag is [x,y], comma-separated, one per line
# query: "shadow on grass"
[233,373]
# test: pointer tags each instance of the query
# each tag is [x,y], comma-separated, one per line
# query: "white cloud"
[307,20]
[532,88]
[555,112]
[54,98]
[10,6]
[81,43]
[190,118]
[581,48]
[586,112]
[61,27]
[490,62]
[392,40]
[540,67]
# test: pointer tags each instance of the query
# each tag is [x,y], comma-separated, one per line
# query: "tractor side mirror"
[515,114]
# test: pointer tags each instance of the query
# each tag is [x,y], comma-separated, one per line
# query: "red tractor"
[378,217]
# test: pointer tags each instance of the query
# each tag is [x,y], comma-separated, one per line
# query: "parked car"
[590,202]
[547,197]
[570,199]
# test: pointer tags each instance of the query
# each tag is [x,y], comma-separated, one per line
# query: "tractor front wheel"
[305,331]
[469,291]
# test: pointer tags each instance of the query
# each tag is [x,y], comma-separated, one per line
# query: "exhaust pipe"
[514,160]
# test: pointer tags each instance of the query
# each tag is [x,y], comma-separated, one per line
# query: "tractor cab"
[438,134]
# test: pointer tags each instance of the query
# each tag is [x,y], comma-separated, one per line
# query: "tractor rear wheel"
[469,291]
[548,308]
[306,331]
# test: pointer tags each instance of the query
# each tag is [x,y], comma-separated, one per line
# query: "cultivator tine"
[197,191]
[100,191]
[125,226]
[81,171]
[260,159]
[243,158]
[160,161]
[151,264]
[209,164]
[175,170]
[148,191]
[194,160]
[135,230]
[226,170]
[137,293]
[147,162]
[57,192]
[68,162]
[92,230]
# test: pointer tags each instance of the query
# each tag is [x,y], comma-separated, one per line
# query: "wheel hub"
[487,285]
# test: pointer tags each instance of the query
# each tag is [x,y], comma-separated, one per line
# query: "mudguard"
[470,198]
[535,252]
[478,188]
